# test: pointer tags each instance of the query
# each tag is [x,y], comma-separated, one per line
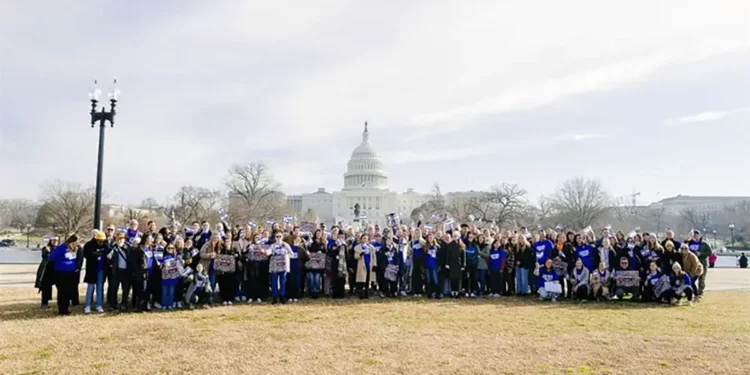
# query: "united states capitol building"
[365,194]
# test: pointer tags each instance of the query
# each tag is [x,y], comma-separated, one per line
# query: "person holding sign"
[316,265]
[65,263]
[279,267]
[394,267]
[548,283]
[626,281]
[649,283]
[168,284]
[225,266]
[367,264]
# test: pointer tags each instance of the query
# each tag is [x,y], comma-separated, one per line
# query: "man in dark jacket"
[120,275]
[94,251]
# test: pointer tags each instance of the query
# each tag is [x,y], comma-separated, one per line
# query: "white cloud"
[705,116]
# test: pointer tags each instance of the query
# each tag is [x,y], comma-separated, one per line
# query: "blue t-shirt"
[694,246]
[542,250]
[65,261]
[546,275]
[431,263]
[496,259]
[652,278]
[585,253]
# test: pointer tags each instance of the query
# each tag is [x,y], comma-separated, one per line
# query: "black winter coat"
[92,251]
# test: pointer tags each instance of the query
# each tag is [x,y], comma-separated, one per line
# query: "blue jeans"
[482,278]
[432,282]
[313,282]
[522,280]
[212,282]
[278,284]
[99,290]
[167,295]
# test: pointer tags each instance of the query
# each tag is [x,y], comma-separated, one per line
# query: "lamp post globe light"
[101,116]
[731,230]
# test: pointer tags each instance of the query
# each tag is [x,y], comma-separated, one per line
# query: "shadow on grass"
[32,311]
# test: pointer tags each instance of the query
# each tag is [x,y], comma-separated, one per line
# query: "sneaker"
[259,300]
[295,300]
[179,305]
[224,303]
[148,306]
[467,295]
[191,307]
[236,299]
[87,310]
[472,295]
[690,303]
[99,310]
[275,301]
[229,303]
[157,305]
[249,301]
[244,299]
[554,299]
[403,294]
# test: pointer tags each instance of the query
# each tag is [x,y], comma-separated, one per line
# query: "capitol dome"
[365,170]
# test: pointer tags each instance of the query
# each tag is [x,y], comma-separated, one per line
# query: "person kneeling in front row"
[681,285]
[547,279]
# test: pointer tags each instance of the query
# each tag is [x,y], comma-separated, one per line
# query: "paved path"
[23,275]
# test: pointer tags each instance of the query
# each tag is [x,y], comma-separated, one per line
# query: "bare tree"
[435,203]
[150,204]
[696,219]
[193,203]
[578,201]
[657,218]
[18,213]
[67,208]
[253,192]
[500,204]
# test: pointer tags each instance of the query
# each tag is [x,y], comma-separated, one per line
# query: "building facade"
[365,196]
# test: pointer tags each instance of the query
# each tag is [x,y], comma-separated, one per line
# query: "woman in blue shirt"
[65,263]
[432,265]
[547,274]
[496,265]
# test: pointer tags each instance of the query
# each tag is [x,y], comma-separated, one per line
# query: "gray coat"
[484,254]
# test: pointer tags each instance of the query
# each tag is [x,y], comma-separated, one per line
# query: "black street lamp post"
[102,117]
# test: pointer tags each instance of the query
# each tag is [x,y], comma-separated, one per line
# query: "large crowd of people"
[131,269]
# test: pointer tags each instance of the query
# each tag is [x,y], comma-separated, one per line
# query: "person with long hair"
[497,258]
[279,267]
[45,272]
[364,253]
[524,264]
[338,253]
[432,265]
[208,254]
[508,285]
[65,264]
[471,250]
[226,279]
[681,286]
[483,257]
[315,270]
[455,263]
[140,263]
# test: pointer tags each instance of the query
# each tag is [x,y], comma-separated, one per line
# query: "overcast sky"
[647,96]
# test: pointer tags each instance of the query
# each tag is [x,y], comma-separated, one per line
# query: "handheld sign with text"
[317,261]
[224,263]
[627,279]
[170,270]
[391,272]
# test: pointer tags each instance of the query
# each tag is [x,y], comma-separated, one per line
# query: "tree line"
[250,192]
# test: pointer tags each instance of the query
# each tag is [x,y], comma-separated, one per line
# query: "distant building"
[365,194]
[675,205]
